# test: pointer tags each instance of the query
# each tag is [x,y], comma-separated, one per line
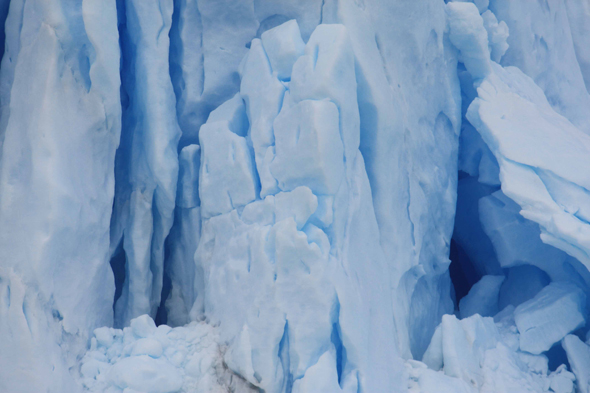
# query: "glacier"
[295,196]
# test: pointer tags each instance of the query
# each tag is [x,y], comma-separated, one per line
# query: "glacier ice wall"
[61,123]
[315,195]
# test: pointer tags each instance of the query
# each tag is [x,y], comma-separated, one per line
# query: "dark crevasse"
[4,6]
[461,271]
[118,256]
[117,263]
[146,164]
[162,313]
[472,254]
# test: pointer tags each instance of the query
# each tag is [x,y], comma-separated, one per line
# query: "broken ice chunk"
[468,34]
[299,204]
[544,320]
[145,374]
[460,345]
[234,112]
[147,346]
[578,355]
[283,45]
[324,214]
[497,35]
[327,71]
[263,94]
[309,150]
[143,326]
[517,241]
[322,377]
[227,178]
[561,380]
[482,299]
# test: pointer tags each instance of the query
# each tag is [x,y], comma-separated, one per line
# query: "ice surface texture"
[280,186]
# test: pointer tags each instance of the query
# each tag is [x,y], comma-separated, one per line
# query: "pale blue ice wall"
[409,137]
[188,75]
[109,154]
[60,128]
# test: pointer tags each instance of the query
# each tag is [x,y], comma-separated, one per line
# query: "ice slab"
[227,179]
[482,298]
[468,34]
[308,147]
[283,45]
[547,318]
[189,161]
[578,355]
[458,347]
[263,94]
[541,38]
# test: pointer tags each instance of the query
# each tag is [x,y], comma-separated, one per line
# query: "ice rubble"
[287,177]
[526,137]
[143,357]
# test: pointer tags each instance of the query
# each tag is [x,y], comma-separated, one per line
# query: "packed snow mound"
[149,359]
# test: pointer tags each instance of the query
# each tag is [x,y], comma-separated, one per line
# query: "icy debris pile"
[507,353]
[149,359]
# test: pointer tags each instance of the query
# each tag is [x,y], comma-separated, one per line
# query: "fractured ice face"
[275,202]
[287,176]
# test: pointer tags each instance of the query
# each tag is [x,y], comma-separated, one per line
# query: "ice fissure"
[287,196]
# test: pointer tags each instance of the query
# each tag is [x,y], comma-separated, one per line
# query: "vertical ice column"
[183,239]
[409,132]
[60,129]
[294,279]
[147,171]
[263,96]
